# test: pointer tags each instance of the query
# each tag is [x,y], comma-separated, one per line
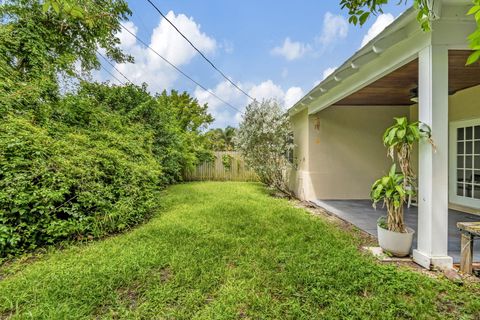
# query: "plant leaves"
[473,57]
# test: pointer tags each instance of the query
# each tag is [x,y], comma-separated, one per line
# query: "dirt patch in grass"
[9,267]
[6,315]
[366,239]
[165,274]
[242,313]
[209,299]
[130,295]
[444,305]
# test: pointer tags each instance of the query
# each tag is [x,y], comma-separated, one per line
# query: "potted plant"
[393,189]
[393,235]
[400,139]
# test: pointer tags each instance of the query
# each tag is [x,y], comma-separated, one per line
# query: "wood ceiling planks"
[394,88]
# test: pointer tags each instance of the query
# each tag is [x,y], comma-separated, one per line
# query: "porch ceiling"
[394,88]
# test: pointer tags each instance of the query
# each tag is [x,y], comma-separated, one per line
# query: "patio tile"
[361,214]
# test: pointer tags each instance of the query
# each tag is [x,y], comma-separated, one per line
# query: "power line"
[179,70]
[111,74]
[200,52]
[113,66]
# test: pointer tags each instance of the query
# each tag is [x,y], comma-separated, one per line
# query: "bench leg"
[466,254]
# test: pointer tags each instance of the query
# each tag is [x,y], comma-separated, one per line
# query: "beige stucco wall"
[339,150]
[345,153]
[463,105]
[300,133]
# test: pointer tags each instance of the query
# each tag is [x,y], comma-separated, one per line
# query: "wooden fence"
[226,166]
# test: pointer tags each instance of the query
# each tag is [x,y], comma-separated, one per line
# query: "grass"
[226,251]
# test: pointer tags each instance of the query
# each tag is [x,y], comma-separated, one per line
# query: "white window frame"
[453,197]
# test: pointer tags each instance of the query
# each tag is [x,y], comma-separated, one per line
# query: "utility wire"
[200,52]
[179,70]
[106,70]
[113,66]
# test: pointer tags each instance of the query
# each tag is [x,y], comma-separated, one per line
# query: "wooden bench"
[469,230]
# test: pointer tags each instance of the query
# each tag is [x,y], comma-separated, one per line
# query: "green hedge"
[93,166]
[84,184]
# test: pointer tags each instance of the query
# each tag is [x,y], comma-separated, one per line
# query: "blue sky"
[271,49]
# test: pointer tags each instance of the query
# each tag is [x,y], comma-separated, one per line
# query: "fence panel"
[227,166]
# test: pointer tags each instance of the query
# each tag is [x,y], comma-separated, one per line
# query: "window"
[465,163]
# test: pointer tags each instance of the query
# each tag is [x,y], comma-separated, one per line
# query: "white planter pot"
[398,244]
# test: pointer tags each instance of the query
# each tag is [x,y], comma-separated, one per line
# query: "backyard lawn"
[226,251]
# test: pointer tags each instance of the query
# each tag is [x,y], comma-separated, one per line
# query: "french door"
[464,185]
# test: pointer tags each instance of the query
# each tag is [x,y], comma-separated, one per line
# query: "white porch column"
[433,166]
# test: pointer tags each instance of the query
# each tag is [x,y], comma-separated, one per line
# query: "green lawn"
[226,251]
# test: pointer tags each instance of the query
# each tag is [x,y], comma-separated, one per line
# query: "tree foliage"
[91,162]
[361,10]
[86,174]
[264,139]
[95,166]
[221,139]
[41,39]
[176,120]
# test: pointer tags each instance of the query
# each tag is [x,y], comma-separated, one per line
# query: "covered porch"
[403,72]
[456,180]
[361,214]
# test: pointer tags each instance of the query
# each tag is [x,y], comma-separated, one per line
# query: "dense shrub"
[175,120]
[90,162]
[95,167]
[265,139]
[82,184]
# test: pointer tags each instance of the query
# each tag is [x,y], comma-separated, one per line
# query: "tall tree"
[175,119]
[229,134]
[41,39]
[264,139]
[221,139]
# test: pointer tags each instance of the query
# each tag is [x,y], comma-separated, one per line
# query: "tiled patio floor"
[361,214]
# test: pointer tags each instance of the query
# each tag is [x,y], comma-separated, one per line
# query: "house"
[339,124]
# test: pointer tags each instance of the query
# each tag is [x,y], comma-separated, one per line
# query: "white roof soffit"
[390,36]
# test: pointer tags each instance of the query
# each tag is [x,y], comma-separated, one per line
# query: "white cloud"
[381,23]
[127,40]
[334,27]
[225,115]
[290,50]
[328,72]
[292,95]
[224,90]
[267,90]
[165,40]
